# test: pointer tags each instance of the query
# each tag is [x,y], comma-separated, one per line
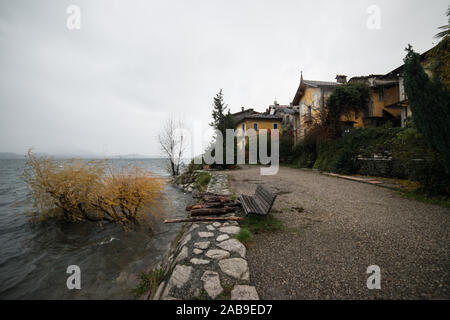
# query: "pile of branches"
[211,207]
[212,204]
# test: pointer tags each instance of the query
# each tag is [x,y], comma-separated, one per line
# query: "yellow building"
[250,119]
[388,101]
[384,95]
[310,100]
[386,92]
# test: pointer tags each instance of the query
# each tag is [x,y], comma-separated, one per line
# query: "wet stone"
[234,267]
[199,261]
[180,275]
[222,237]
[182,255]
[211,283]
[159,291]
[242,292]
[186,239]
[233,245]
[193,227]
[202,245]
[205,234]
[217,254]
[230,229]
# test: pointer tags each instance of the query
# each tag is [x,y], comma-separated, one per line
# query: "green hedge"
[411,156]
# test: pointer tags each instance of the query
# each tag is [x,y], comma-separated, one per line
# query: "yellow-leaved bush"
[80,190]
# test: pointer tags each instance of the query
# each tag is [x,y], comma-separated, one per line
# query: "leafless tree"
[172,143]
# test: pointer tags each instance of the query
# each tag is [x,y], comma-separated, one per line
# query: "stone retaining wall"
[206,261]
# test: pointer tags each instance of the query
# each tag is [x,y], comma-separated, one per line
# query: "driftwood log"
[217,198]
[212,205]
[202,194]
[199,219]
[211,211]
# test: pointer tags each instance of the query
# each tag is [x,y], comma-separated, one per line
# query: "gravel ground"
[345,227]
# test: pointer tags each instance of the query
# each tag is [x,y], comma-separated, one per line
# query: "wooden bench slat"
[260,203]
[263,204]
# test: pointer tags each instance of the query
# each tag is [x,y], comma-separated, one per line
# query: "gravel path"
[345,227]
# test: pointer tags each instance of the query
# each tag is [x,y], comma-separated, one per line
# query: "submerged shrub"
[79,190]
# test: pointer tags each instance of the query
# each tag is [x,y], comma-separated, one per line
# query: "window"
[275,125]
[243,127]
[381,94]
[370,109]
[316,101]
[255,126]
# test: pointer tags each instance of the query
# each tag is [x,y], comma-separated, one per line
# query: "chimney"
[340,78]
[242,109]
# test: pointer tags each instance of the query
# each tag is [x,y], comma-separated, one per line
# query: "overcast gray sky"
[107,87]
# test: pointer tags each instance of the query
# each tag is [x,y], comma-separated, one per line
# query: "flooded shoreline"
[34,257]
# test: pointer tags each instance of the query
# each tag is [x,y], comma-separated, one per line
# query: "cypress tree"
[218,113]
[221,120]
[429,100]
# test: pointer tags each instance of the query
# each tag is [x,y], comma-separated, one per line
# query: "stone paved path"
[207,262]
[218,184]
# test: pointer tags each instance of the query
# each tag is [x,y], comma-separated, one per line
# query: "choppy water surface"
[34,257]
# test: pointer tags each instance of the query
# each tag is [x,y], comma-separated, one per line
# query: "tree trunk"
[199,219]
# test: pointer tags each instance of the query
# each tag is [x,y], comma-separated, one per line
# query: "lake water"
[34,257]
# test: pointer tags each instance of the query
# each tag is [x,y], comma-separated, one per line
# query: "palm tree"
[446,28]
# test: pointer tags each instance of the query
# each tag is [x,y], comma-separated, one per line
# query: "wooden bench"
[260,203]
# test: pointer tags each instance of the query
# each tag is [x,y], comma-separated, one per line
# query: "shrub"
[259,224]
[203,180]
[244,235]
[193,166]
[149,282]
[78,190]
[406,152]
[432,176]
[304,155]
[347,99]
[286,144]
[345,162]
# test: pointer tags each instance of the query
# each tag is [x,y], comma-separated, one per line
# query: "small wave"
[110,240]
